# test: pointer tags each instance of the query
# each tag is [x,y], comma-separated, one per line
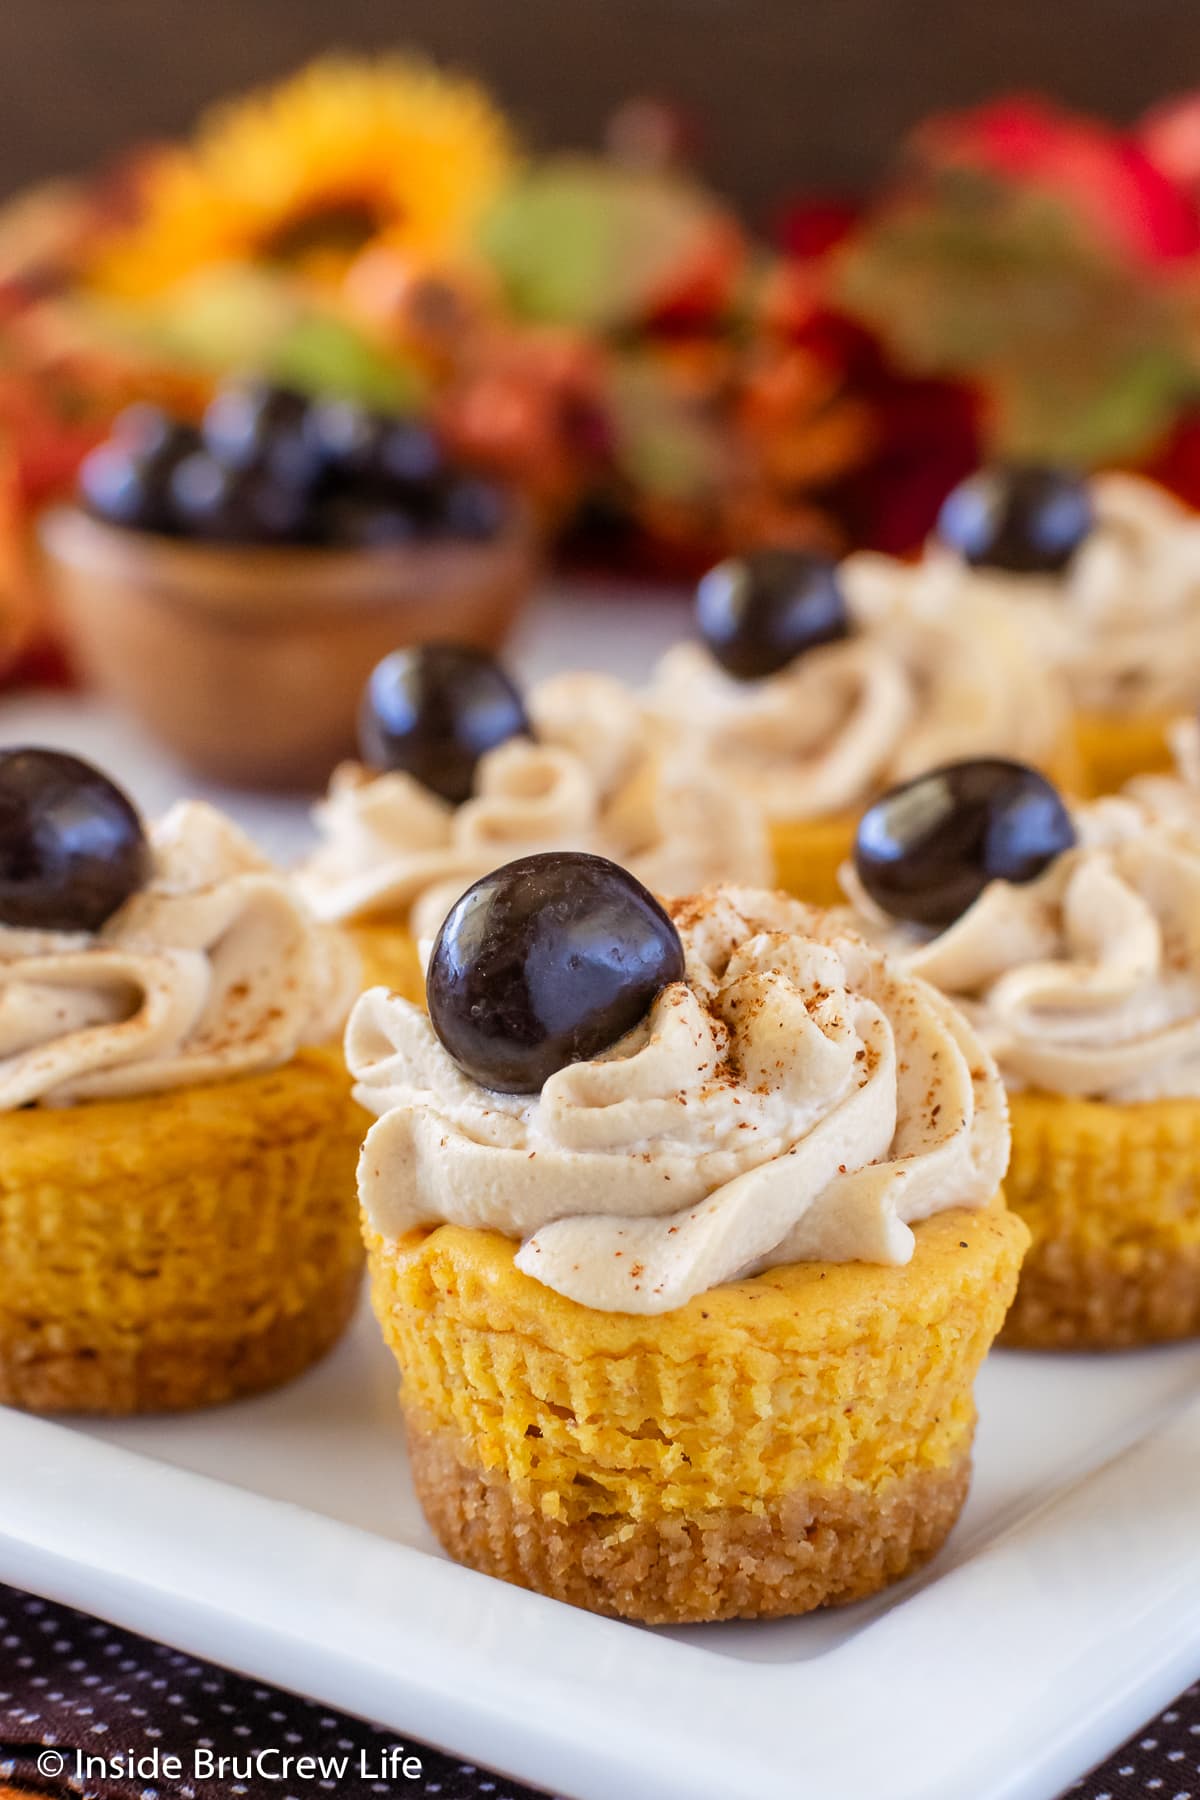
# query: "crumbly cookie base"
[195,1372]
[1076,1297]
[818,1547]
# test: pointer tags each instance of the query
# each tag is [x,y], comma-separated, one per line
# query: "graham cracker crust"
[155,1377]
[1078,1297]
[817,1547]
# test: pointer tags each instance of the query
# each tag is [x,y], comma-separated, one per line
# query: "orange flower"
[306,173]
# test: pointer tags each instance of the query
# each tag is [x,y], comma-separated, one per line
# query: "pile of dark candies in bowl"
[268,465]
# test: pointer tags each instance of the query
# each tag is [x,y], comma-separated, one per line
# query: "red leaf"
[1105,177]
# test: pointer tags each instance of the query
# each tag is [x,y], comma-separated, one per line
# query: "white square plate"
[281,1536]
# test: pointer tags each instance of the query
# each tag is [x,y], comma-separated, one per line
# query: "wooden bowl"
[249,663]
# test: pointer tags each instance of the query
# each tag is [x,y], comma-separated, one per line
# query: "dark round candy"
[234,506]
[355,523]
[548,961]
[1023,518]
[405,453]
[126,480]
[204,498]
[473,508]
[345,435]
[758,612]
[72,848]
[149,431]
[926,850]
[434,710]
[114,487]
[255,425]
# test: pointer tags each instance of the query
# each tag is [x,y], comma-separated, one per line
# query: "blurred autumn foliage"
[602,330]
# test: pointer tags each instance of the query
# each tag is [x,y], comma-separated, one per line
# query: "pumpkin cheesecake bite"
[815,686]
[460,774]
[1071,939]
[177,1213]
[686,1232]
[1106,574]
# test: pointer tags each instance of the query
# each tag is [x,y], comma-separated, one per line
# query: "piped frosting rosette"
[1174,796]
[1085,981]
[796,1097]
[214,968]
[1122,621]
[600,774]
[926,675]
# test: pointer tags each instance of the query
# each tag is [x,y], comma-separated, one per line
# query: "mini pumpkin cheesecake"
[1071,938]
[177,1215]
[461,773]
[685,1230]
[1106,573]
[815,686]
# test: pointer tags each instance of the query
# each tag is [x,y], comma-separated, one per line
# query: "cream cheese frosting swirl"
[1123,621]
[795,1097]
[1085,981]
[214,968]
[601,775]
[1174,795]
[925,677]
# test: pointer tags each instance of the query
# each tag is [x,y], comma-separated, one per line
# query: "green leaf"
[582,242]
[665,443]
[226,317]
[1118,413]
[324,355]
[237,318]
[1078,356]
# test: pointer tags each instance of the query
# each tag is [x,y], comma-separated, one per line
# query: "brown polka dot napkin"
[77,1688]
[1162,1762]
[74,1690]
